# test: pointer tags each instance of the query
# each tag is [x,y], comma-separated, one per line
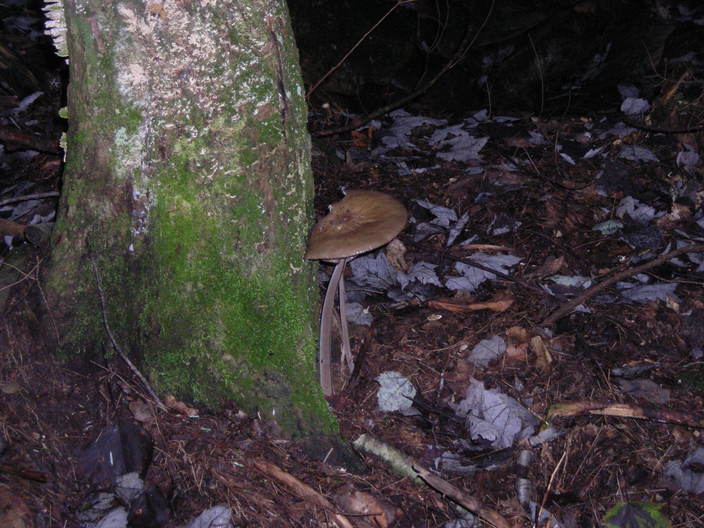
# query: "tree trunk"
[188,183]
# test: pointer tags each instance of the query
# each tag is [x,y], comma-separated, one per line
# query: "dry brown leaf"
[494,306]
[550,266]
[678,213]
[362,138]
[141,411]
[486,247]
[455,307]
[543,357]
[517,344]
[396,255]
[180,407]
[375,511]
[444,304]
[518,142]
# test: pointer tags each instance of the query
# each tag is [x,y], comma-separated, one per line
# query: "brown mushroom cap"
[360,222]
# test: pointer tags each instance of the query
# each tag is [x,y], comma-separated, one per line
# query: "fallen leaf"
[518,142]
[517,344]
[455,307]
[180,407]
[11,387]
[494,306]
[550,266]
[141,411]
[485,247]
[362,138]
[396,255]
[377,512]
[543,357]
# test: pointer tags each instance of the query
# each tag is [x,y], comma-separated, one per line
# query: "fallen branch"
[301,490]
[624,410]
[591,292]
[407,467]
[124,357]
[31,275]
[27,197]
[36,476]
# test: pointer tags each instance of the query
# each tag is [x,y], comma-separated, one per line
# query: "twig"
[301,489]
[589,293]
[26,276]
[539,67]
[36,476]
[26,197]
[460,497]
[549,487]
[124,357]
[46,302]
[406,466]
[33,274]
[462,50]
[346,55]
[625,410]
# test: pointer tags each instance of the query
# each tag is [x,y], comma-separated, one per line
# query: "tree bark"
[188,181]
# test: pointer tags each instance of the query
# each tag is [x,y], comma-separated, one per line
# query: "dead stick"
[407,467]
[625,410]
[124,357]
[26,197]
[301,489]
[36,476]
[591,292]
[460,497]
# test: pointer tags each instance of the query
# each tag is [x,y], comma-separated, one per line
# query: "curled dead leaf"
[543,356]
[373,511]
[396,255]
[180,407]
[516,344]
[550,266]
[455,307]
[141,411]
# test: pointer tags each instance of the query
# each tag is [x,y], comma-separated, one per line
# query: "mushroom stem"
[345,332]
[326,328]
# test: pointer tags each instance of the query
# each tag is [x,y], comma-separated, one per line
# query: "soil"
[616,385]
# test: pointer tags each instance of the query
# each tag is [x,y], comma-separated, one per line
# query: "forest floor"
[543,311]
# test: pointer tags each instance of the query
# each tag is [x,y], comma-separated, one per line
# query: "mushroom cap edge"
[360,222]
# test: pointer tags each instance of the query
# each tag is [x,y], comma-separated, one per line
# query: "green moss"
[213,293]
[229,328]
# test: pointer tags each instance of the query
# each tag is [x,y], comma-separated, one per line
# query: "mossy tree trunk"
[188,183]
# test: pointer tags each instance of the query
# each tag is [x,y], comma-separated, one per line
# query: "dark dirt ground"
[603,455]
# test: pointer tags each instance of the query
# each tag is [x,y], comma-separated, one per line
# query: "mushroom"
[360,222]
